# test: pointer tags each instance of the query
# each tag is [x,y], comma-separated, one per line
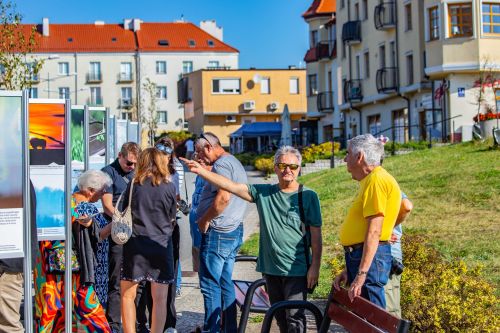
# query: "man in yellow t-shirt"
[369,222]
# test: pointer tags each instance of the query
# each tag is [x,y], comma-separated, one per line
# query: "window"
[210,43]
[64,93]
[265,85]
[381,55]
[126,71]
[491,18]
[398,121]
[374,124]
[31,76]
[342,3]
[126,115]
[433,23]
[358,67]
[409,68]
[344,83]
[162,117]
[294,85]
[356,11]
[314,38]
[95,71]
[226,86]
[161,92]
[187,67]
[213,64]
[64,68]
[365,9]
[460,20]
[367,64]
[497,98]
[313,85]
[126,95]
[191,43]
[95,96]
[33,92]
[408,23]
[392,48]
[161,67]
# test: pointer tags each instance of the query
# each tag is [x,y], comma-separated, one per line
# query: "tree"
[150,116]
[17,68]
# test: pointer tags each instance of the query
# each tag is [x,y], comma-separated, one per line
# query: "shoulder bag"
[121,227]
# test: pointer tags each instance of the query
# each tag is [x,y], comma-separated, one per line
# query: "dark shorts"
[150,260]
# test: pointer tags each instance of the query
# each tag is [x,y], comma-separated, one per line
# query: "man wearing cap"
[369,222]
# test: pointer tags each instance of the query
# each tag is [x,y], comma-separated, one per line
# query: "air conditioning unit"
[248,105]
[230,119]
[274,105]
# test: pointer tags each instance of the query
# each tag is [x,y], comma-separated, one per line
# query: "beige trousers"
[11,294]
[393,295]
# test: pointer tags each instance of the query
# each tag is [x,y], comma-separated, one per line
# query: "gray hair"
[207,139]
[95,179]
[372,148]
[283,150]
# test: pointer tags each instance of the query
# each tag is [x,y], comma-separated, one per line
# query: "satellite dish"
[257,78]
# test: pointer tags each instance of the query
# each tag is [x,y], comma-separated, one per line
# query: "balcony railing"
[326,49]
[351,32]
[387,80]
[353,91]
[385,16]
[32,78]
[94,77]
[125,103]
[95,101]
[325,101]
[125,77]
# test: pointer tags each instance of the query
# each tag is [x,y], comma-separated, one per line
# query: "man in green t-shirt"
[283,258]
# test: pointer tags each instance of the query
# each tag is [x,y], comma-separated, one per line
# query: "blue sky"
[268,33]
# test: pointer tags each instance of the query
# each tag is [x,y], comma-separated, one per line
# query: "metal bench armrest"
[266,324]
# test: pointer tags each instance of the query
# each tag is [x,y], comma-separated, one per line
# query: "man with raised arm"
[285,236]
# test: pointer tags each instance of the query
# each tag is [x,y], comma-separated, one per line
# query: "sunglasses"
[283,166]
[164,149]
[129,163]
[205,138]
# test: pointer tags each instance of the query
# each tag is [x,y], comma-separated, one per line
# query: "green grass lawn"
[456,195]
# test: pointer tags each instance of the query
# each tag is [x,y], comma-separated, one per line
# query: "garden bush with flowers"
[486,116]
[318,152]
[439,295]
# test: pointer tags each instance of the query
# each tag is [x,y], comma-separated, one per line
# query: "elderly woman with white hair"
[290,227]
[88,264]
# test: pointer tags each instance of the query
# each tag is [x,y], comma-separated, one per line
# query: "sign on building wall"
[11,182]
[47,165]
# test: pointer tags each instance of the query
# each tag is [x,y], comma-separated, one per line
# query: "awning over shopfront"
[257,129]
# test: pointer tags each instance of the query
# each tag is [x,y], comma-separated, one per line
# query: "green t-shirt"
[281,247]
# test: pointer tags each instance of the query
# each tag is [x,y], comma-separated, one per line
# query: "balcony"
[325,101]
[125,103]
[385,16]
[95,101]
[125,77]
[387,80]
[351,32]
[324,50]
[353,91]
[32,78]
[94,77]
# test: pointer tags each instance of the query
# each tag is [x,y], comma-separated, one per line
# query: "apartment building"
[222,100]
[108,64]
[321,71]
[408,69]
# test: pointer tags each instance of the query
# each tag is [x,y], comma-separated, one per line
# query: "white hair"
[372,148]
[94,179]
[283,150]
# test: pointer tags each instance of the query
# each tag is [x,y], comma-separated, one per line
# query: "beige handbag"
[121,227]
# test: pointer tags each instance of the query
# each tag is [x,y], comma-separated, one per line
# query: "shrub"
[318,152]
[439,295]
[265,165]
[246,158]
[412,145]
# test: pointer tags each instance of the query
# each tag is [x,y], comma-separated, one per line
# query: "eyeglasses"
[205,138]
[130,163]
[283,166]
[164,149]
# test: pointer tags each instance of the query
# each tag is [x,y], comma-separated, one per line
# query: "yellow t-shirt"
[379,194]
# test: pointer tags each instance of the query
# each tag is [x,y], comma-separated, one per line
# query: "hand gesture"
[193,166]
[341,278]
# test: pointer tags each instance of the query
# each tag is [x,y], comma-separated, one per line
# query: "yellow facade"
[212,110]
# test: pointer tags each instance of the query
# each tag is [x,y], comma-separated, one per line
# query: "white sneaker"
[171,330]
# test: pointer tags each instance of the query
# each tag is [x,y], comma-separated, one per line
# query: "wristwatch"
[362,273]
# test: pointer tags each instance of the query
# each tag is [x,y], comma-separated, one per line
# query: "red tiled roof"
[178,35]
[320,8]
[114,38]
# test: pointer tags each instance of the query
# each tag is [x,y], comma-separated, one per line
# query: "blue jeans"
[217,253]
[378,274]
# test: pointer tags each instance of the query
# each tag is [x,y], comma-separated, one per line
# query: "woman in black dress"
[148,256]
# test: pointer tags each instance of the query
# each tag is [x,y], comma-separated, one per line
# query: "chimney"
[127,24]
[45,26]
[136,24]
[99,23]
[210,26]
